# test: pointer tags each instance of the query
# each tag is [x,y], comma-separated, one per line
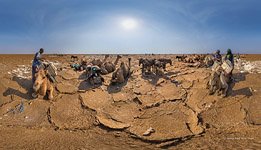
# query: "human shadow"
[25,84]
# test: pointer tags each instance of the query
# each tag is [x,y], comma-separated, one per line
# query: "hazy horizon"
[129,26]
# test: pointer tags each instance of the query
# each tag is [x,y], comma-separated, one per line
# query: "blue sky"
[153,26]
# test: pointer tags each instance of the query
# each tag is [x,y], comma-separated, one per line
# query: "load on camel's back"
[44,79]
[93,74]
[219,78]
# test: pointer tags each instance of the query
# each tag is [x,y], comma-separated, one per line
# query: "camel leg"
[142,69]
[225,89]
[43,90]
[50,96]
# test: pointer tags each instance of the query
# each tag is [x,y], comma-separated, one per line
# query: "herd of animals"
[94,70]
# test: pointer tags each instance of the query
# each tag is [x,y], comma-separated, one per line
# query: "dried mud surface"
[173,111]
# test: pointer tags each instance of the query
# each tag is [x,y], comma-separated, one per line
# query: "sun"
[129,24]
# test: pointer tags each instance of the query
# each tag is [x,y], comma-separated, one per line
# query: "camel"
[181,58]
[147,64]
[74,58]
[189,59]
[108,67]
[161,64]
[98,62]
[209,61]
[165,62]
[93,75]
[42,84]
[218,82]
[122,73]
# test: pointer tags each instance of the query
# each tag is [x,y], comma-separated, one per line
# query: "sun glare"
[129,24]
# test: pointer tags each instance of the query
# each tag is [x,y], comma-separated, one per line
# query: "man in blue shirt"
[37,62]
[217,56]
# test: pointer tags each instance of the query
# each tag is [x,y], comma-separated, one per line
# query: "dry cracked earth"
[169,112]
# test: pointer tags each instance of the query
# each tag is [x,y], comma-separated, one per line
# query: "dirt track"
[177,107]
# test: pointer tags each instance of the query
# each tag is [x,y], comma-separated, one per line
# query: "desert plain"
[173,111]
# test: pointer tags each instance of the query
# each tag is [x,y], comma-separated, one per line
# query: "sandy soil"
[173,112]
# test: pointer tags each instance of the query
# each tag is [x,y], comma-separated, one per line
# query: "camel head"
[122,64]
[40,76]
[169,61]
[119,56]
[129,60]
[141,61]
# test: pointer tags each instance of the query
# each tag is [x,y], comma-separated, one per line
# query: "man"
[37,62]
[217,56]
[229,56]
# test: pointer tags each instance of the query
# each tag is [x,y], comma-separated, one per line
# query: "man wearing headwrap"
[217,56]
[229,56]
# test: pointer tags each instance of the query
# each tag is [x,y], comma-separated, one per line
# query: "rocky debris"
[96,99]
[199,100]
[22,71]
[169,120]
[118,115]
[123,96]
[148,131]
[226,114]
[108,122]
[254,111]
[143,88]
[67,113]
[68,74]
[25,114]
[248,66]
[187,84]
[171,92]
[66,88]
[151,99]
[160,81]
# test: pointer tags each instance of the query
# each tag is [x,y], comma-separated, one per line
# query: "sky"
[130,26]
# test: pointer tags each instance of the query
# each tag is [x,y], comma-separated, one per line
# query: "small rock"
[251,90]
[148,131]
[26,117]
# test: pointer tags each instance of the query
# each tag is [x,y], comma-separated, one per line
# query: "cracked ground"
[173,111]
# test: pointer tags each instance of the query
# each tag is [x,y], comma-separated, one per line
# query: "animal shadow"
[243,91]
[25,84]
[86,85]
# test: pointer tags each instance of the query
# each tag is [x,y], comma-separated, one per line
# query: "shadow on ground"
[238,77]
[25,84]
